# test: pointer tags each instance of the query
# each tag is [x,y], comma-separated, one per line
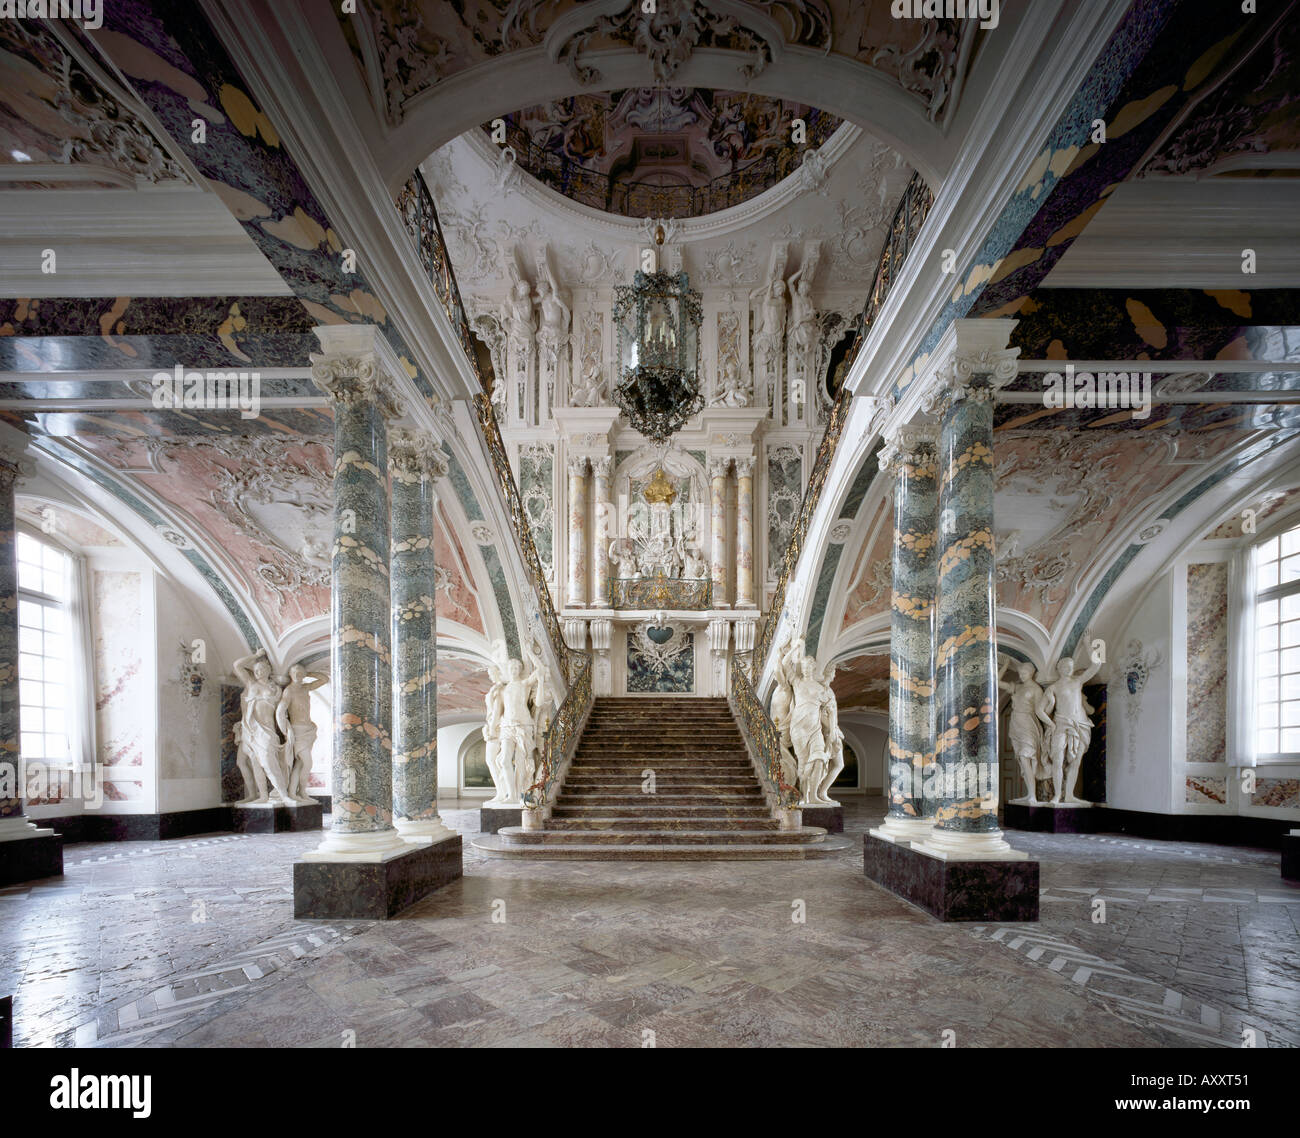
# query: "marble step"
[701,822]
[597,799]
[563,809]
[683,751]
[517,835]
[494,846]
[721,761]
[697,785]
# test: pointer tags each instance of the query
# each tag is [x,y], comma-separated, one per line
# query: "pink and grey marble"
[1207,662]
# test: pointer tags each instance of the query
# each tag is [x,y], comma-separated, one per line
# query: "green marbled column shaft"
[10,806]
[360,619]
[415,651]
[965,666]
[911,675]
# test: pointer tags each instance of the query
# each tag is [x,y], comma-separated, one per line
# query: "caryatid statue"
[1024,729]
[503,774]
[1064,712]
[293,717]
[814,734]
[260,736]
[803,314]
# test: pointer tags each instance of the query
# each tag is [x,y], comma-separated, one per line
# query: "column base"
[423,833]
[903,829]
[954,890]
[1046,818]
[373,890]
[963,845]
[28,853]
[370,846]
[1291,856]
[829,818]
[492,818]
[275,818]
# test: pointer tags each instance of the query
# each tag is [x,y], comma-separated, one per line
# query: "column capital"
[413,455]
[745,467]
[908,445]
[577,465]
[602,467]
[357,364]
[972,362]
[718,468]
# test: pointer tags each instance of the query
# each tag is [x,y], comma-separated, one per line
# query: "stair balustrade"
[561,738]
[761,733]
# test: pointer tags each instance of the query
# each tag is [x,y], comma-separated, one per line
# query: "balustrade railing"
[415,204]
[562,735]
[759,729]
[907,221]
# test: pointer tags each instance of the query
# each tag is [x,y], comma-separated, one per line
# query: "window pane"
[29,614]
[1291,606]
[1266,612]
[1290,688]
[54,693]
[56,746]
[1268,551]
[1291,659]
[1266,664]
[1290,633]
[1291,715]
[1266,639]
[1267,689]
[53,619]
[1291,740]
[1267,715]
[1291,541]
[1267,576]
[33,746]
[1267,743]
[54,718]
[1290,569]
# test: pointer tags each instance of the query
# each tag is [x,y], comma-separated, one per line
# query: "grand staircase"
[707,803]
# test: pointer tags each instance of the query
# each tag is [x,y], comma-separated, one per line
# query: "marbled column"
[601,469]
[966,695]
[577,591]
[414,463]
[11,791]
[909,456]
[718,529]
[744,533]
[360,613]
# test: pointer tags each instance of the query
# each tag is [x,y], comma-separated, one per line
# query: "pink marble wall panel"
[122,697]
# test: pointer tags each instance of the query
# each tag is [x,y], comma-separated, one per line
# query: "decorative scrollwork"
[660,593]
[758,727]
[559,741]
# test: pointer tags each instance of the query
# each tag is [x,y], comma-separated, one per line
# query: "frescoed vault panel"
[462,684]
[862,682]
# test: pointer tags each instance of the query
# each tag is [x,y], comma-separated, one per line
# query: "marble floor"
[193,943]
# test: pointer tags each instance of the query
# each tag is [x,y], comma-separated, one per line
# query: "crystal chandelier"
[658,317]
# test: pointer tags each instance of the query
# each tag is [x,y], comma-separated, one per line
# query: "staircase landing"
[706,805]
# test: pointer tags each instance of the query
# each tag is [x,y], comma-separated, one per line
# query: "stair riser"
[656,838]
[709,811]
[589,825]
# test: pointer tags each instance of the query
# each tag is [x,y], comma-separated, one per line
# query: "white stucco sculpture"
[805,713]
[520,325]
[771,326]
[519,724]
[260,737]
[293,717]
[503,774]
[732,390]
[1024,730]
[553,329]
[1064,712]
[803,314]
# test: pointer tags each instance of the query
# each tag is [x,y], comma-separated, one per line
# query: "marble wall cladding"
[123,702]
[655,672]
[784,493]
[537,491]
[232,784]
[1207,662]
[1279,792]
[1206,789]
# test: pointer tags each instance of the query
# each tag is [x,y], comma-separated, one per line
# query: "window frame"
[1271,593]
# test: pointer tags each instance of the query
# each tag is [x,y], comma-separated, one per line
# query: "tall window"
[1277,647]
[44,651]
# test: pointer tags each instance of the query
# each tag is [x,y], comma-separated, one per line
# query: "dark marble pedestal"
[1291,856]
[26,859]
[1051,819]
[492,818]
[373,890]
[954,890]
[829,818]
[275,819]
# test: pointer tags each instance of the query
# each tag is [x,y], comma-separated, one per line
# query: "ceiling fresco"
[462,684]
[862,682]
[665,151]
